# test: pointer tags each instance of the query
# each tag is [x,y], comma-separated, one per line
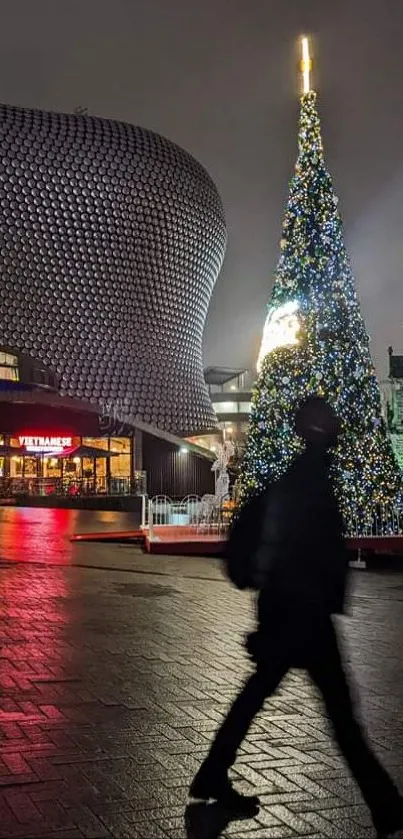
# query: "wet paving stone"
[112,683]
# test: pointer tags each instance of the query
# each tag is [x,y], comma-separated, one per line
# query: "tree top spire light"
[305,65]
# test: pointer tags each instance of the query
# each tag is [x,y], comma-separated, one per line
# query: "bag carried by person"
[248,556]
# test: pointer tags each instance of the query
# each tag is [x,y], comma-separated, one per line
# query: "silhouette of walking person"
[300,569]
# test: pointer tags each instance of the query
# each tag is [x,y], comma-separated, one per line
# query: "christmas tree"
[315,343]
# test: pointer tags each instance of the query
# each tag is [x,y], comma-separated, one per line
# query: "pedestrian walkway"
[113,681]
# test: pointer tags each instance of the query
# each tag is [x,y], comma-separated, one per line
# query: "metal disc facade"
[112,239]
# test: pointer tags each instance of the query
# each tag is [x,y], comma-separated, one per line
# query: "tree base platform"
[186,541]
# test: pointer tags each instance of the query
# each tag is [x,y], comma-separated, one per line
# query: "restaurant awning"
[85,451]
[78,451]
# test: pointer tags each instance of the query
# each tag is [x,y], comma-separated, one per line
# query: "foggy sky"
[219,78]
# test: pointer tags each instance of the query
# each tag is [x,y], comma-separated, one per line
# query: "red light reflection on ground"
[35,615]
[29,534]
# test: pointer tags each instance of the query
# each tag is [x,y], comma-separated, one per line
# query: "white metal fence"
[204,515]
[381,521]
[208,516]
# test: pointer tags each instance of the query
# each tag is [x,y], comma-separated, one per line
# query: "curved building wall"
[112,239]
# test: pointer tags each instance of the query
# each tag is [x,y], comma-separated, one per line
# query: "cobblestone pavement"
[113,681]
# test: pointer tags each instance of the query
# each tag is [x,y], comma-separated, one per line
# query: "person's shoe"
[391,821]
[212,786]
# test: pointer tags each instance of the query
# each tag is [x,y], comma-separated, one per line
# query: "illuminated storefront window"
[16,462]
[9,367]
[16,466]
[100,464]
[52,467]
[120,464]
[61,463]
[96,442]
[30,467]
[72,468]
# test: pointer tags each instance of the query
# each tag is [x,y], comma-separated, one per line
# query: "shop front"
[55,463]
[54,449]
[64,452]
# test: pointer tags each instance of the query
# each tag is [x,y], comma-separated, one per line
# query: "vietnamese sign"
[53,445]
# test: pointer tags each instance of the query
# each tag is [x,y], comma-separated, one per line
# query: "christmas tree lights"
[315,343]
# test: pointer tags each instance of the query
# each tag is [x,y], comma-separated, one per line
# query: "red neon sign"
[39,443]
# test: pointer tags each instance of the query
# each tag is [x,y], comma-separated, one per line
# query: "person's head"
[317,423]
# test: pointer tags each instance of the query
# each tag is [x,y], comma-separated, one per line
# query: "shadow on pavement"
[207,821]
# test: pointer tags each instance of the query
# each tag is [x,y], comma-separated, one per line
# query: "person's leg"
[212,779]
[381,795]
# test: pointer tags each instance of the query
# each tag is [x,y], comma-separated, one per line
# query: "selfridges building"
[112,239]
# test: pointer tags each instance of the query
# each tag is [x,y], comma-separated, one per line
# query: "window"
[8,359]
[9,367]
[52,467]
[30,467]
[231,386]
[88,463]
[226,407]
[16,465]
[244,407]
[120,462]
[96,442]
[9,374]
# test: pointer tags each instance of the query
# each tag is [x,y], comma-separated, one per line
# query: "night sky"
[219,77]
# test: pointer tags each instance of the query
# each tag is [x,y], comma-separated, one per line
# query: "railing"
[73,487]
[204,515]
[381,521]
[207,516]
